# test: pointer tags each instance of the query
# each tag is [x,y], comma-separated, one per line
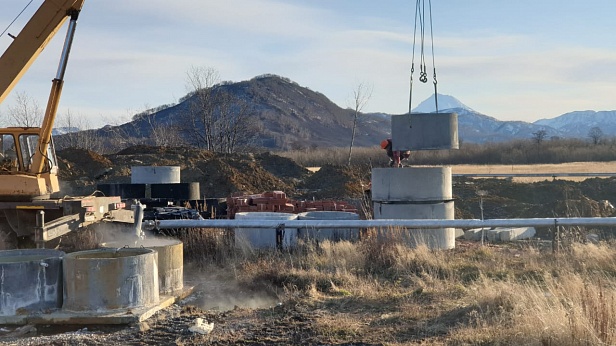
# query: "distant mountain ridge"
[475,127]
[289,116]
[578,124]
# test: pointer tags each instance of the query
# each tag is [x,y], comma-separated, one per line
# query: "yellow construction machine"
[29,187]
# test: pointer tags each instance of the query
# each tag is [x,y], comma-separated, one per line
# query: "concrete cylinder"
[30,281]
[170,260]
[419,184]
[262,238]
[416,193]
[333,234]
[424,131]
[155,175]
[440,238]
[110,279]
[178,191]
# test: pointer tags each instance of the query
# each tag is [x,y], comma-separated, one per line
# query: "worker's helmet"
[384,143]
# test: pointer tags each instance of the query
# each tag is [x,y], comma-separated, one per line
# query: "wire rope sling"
[423,21]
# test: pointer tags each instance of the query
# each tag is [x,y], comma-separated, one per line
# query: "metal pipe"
[424,223]
[138,216]
[68,42]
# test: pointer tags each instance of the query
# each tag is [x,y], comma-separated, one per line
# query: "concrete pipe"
[110,279]
[155,174]
[419,184]
[31,281]
[416,193]
[437,238]
[424,131]
[170,260]
[262,238]
[333,234]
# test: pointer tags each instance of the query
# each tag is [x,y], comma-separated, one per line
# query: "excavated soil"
[220,175]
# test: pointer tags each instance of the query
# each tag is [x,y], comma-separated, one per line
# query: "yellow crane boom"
[29,170]
[32,39]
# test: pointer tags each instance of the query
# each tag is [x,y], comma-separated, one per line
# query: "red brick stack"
[277,201]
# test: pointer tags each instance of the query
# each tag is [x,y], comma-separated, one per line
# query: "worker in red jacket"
[395,157]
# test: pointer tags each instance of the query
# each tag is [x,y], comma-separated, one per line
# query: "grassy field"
[569,167]
[381,292]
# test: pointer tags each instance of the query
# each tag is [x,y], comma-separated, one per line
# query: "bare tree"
[233,124]
[595,134]
[361,96]
[215,119]
[119,133]
[539,136]
[77,133]
[159,132]
[199,124]
[163,134]
[25,112]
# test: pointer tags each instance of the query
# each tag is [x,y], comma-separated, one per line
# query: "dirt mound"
[76,163]
[336,182]
[159,156]
[222,176]
[218,175]
[281,166]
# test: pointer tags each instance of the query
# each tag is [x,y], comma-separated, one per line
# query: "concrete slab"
[475,234]
[493,235]
[518,233]
[123,316]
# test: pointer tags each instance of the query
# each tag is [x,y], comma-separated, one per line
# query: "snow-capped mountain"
[56,131]
[444,102]
[578,124]
[474,127]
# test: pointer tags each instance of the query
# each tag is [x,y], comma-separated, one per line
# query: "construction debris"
[277,201]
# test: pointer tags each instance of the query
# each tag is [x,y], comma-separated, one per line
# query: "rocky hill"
[283,115]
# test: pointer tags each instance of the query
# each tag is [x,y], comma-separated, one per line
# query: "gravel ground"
[281,325]
[239,316]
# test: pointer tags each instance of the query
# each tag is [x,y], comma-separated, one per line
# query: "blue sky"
[513,60]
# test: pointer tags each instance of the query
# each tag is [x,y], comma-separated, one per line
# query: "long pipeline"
[417,224]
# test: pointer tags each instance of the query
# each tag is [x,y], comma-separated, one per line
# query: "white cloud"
[131,53]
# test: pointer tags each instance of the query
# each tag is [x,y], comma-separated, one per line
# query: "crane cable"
[19,14]
[420,18]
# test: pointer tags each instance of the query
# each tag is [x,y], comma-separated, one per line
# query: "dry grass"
[379,290]
[375,157]
[569,167]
